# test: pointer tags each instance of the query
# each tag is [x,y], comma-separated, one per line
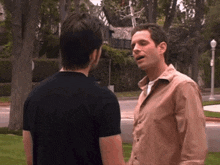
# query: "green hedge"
[44,68]
[5,89]
[5,71]
[124,72]
[123,76]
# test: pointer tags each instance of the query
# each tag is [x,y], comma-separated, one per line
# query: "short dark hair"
[81,34]
[158,35]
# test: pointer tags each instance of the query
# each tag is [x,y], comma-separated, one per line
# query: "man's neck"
[154,72]
[83,71]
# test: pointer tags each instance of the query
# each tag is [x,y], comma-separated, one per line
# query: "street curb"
[212,119]
[208,119]
[5,104]
[136,97]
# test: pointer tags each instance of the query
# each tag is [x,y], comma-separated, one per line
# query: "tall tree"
[47,39]
[24,21]
[77,6]
[196,35]
[190,23]
[65,8]
[170,10]
[151,8]
[193,21]
[212,23]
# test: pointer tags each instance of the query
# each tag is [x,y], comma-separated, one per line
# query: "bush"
[5,89]
[5,71]
[44,68]
[124,72]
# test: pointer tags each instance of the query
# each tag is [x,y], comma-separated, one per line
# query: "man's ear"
[95,56]
[162,47]
[92,56]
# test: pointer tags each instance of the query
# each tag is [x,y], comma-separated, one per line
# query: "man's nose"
[136,50]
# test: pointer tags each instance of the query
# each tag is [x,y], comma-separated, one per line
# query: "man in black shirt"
[69,119]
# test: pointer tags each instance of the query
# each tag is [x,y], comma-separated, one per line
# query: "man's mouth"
[139,58]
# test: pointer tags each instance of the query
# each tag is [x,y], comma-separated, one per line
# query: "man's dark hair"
[81,34]
[158,35]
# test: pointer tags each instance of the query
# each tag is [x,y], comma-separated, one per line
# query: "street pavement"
[212,126]
[127,107]
[4,116]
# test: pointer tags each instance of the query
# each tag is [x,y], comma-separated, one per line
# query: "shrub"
[5,89]
[5,71]
[44,68]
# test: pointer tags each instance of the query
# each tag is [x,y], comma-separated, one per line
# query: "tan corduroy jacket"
[169,123]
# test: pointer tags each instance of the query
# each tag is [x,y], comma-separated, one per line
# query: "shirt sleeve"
[109,117]
[191,124]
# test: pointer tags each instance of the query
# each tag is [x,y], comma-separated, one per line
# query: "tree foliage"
[48,29]
[212,23]
[7,38]
[188,21]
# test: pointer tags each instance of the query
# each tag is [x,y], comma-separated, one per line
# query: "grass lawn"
[212,114]
[204,103]
[4,99]
[12,151]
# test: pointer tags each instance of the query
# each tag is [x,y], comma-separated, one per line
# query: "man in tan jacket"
[169,123]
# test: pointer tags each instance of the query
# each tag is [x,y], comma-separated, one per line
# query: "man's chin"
[142,67]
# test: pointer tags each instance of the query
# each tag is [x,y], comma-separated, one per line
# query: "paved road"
[206,98]
[127,108]
[213,136]
[212,131]
[4,116]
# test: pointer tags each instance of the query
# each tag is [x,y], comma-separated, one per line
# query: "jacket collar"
[167,75]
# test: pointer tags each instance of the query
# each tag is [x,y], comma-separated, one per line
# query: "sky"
[95,2]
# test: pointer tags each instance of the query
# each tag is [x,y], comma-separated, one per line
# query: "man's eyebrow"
[143,40]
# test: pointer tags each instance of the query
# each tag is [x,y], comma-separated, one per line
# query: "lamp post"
[213,44]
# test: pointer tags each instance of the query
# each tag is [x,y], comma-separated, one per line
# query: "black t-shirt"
[66,115]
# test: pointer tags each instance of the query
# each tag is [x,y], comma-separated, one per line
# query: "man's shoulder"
[181,78]
[103,92]
[174,76]
[44,83]
[182,82]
